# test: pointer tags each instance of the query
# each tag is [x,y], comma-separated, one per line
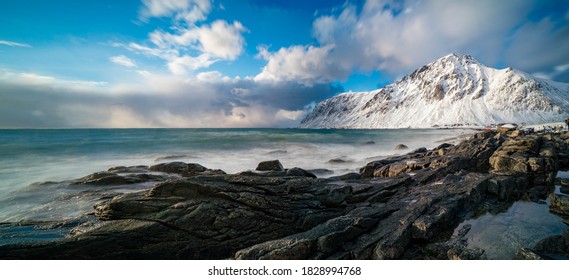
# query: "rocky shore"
[403,207]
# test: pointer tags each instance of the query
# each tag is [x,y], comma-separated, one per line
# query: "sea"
[37,164]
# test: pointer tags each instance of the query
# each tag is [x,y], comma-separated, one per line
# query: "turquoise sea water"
[34,164]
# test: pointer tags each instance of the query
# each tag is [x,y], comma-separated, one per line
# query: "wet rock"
[443,146]
[564,182]
[419,150]
[556,246]
[347,176]
[271,165]
[401,147]
[299,172]
[105,178]
[455,249]
[527,254]
[179,167]
[129,169]
[559,204]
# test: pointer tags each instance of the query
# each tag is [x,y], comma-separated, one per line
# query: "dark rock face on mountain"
[404,207]
[453,91]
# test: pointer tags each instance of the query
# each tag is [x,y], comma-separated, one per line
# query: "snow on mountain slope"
[451,91]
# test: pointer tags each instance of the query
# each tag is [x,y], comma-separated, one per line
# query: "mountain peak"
[455,90]
[457,58]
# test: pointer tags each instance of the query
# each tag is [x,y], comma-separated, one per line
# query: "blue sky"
[247,63]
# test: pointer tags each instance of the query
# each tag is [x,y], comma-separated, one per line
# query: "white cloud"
[189,46]
[14,44]
[183,64]
[398,36]
[220,39]
[306,65]
[123,60]
[210,76]
[189,11]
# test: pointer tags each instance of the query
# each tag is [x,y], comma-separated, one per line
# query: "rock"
[564,182]
[419,150]
[321,171]
[271,165]
[559,204]
[298,172]
[129,169]
[564,189]
[337,160]
[179,168]
[527,254]
[455,248]
[514,133]
[110,178]
[369,143]
[368,170]
[443,146]
[556,246]
[401,147]
[347,176]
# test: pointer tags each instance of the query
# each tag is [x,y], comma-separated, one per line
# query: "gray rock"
[527,254]
[556,246]
[559,204]
[419,150]
[338,160]
[401,147]
[347,176]
[179,168]
[271,165]
[321,171]
[299,172]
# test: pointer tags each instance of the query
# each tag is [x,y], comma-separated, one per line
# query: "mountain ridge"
[453,91]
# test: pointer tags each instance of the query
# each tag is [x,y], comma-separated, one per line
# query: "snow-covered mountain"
[451,91]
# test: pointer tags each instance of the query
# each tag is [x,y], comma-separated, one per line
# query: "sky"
[246,63]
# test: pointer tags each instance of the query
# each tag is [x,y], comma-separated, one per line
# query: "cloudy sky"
[246,63]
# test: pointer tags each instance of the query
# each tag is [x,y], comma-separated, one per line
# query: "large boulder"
[271,165]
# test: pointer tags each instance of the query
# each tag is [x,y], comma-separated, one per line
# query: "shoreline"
[400,207]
